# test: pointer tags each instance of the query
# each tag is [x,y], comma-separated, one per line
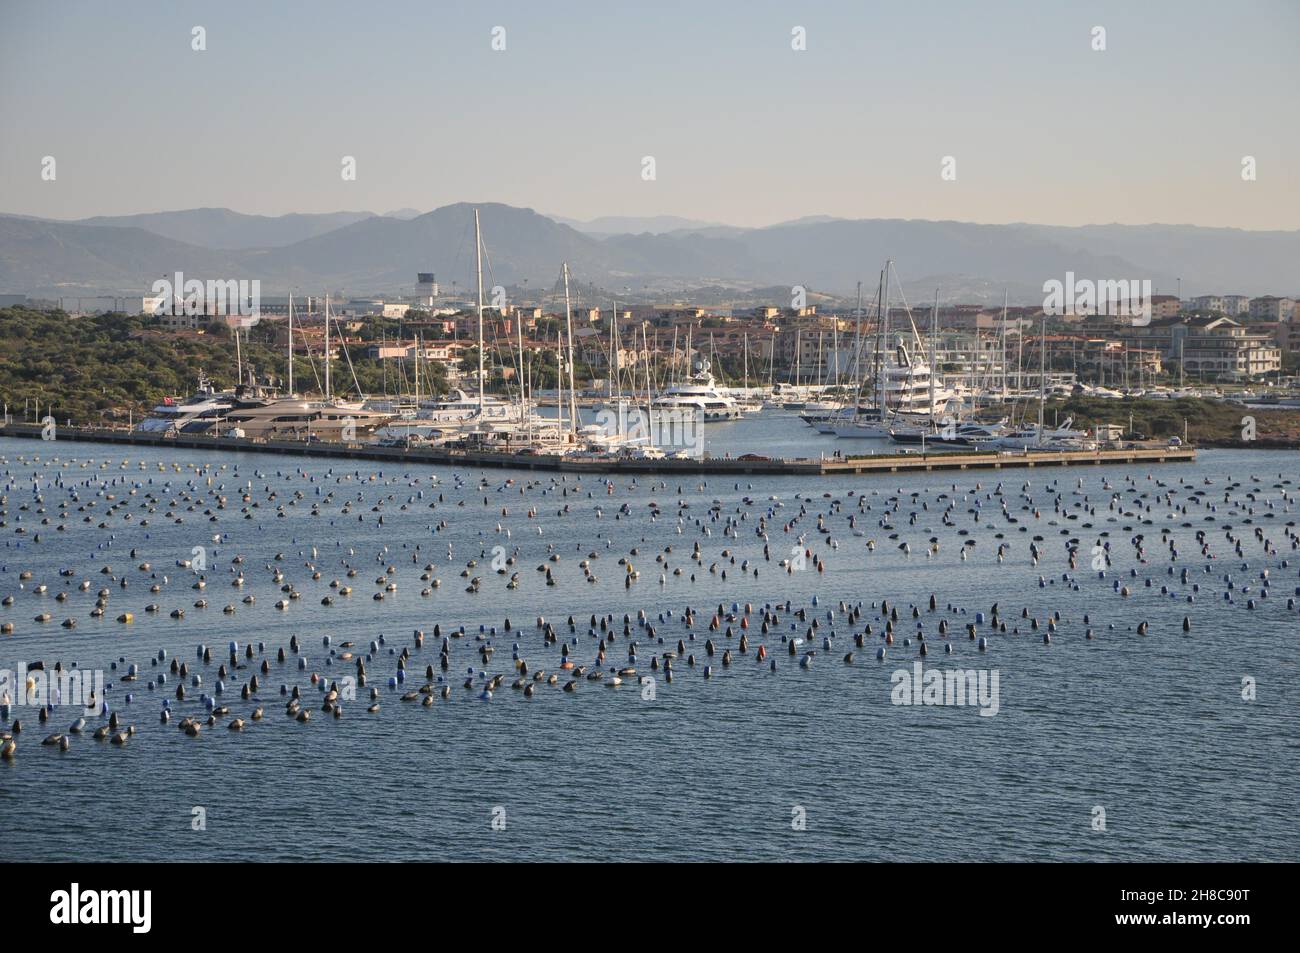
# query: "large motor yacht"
[194,414]
[297,418]
[699,395]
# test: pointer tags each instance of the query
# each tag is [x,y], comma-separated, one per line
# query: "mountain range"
[638,259]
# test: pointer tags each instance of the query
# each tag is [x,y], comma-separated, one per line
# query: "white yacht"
[297,418]
[964,435]
[456,412]
[1034,437]
[911,386]
[820,411]
[700,395]
[460,407]
[911,399]
[194,414]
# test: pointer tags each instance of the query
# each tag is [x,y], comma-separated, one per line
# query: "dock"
[749,464]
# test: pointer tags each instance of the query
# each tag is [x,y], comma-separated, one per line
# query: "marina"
[884,462]
[607,433]
[288,642]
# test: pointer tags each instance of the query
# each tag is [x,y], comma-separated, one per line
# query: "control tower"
[426,289]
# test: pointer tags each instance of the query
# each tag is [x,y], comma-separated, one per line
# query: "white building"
[1234,305]
[1208,303]
[1270,308]
[105,304]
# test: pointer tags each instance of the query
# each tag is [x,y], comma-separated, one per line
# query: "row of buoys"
[722,624]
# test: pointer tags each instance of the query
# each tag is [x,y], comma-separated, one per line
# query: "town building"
[1271,308]
[1222,349]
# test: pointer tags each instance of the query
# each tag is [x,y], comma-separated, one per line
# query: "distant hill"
[222,228]
[384,253]
[1209,260]
[635,225]
[61,258]
[381,254]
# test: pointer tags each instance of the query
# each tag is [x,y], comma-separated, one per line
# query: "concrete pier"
[749,464]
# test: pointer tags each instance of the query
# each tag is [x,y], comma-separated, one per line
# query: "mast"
[689,368]
[821,361]
[524,410]
[649,385]
[616,380]
[1020,360]
[1004,345]
[1042,379]
[933,362]
[835,351]
[478,259]
[875,369]
[613,335]
[771,364]
[745,366]
[798,352]
[239,361]
[672,364]
[327,345]
[883,339]
[568,321]
[857,336]
[290,343]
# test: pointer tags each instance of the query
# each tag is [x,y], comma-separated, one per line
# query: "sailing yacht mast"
[821,362]
[613,337]
[239,360]
[290,343]
[1004,345]
[568,321]
[615,381]
[649,384]
[933,362]
[524,409]
[672,364]
[1042,379]
[419,346]
[881,341]
[857,338]
[478,259]
[745,365]
[1020,360]
[798,350]
[559,378]
[835,352]
[327,345]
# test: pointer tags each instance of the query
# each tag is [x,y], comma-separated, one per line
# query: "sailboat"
[905,391]
[193,414]
[481,419]
[942,431]
[1041,437]
[299,418]
[699,394]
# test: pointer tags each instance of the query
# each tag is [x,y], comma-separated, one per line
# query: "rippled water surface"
[1150,728]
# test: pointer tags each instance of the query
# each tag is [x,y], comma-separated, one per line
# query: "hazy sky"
[743,128]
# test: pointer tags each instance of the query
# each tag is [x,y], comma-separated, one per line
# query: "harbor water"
[1126,736]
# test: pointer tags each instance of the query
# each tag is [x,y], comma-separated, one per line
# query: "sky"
[743,128]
